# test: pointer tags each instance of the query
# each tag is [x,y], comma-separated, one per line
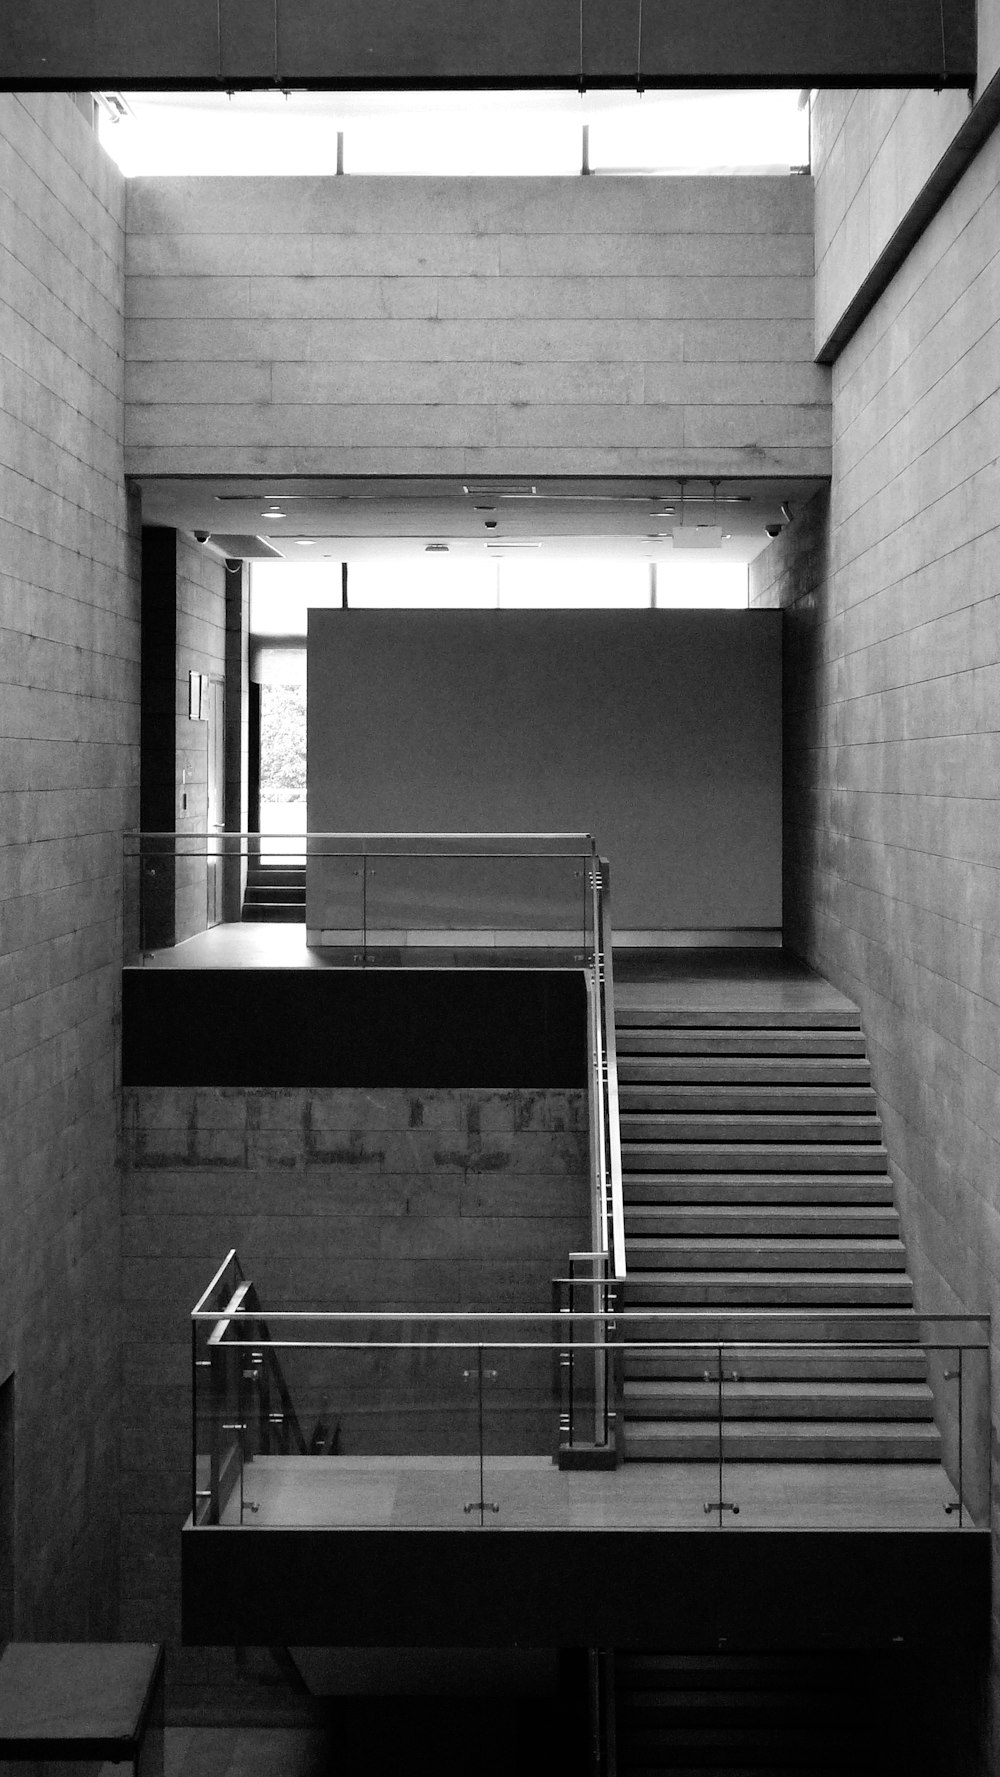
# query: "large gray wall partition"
[657,731]
[69,722]
[399,326]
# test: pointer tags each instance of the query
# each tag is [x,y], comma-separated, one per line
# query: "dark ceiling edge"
[761,80]
[961,151]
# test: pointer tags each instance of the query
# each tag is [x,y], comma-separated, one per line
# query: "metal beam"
[355,44]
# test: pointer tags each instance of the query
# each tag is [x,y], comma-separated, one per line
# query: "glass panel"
[454,1421]
[335,895]
[455,895]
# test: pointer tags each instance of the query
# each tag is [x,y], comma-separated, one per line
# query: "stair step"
[742,1100]
[646,1017]
[807,1746]
[768,1289]
[877,1326]
[749,1220]
[752,1070]
[867,1364]
[765,1399]
[745,1043]
[813,1672]
[753,1156]
[790,1441]
[676,1708]
[294,875]
[672,1188]
[676,1126]
[757,1254]
[274,911]
[260,893]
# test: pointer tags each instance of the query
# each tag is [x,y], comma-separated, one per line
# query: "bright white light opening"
[282,593]
[462,133]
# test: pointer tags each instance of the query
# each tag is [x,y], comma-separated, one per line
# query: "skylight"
[283,593]
[463,133]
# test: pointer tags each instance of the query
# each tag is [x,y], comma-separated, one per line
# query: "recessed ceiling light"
[274,512]
[304,542]
[435,548]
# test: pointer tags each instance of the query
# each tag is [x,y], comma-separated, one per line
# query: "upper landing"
[433,326]
[769,987]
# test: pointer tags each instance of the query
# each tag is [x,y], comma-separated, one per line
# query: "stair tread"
[717,1126]
[743,1098]
[750,1156]
[670,1016]
[761,1187]
[753,1252]
[722,1218]
[750,1070]
[747,1043]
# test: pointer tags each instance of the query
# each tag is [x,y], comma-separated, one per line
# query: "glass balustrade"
[194,898]
[477,1421]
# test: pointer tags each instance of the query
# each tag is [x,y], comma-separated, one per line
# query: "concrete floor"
[433,1491]
[716,973]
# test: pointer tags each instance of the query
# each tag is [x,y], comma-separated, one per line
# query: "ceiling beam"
[356,44]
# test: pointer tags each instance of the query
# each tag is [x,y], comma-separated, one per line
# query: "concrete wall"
[892,884]
[546,326]
[201,647]
[336,1198]
[872,153]
[658,732]
[69,724]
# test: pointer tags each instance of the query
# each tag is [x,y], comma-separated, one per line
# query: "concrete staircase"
[275,892]
[755,1177]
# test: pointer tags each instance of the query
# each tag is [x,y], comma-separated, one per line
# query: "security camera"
[202,536]
[774,530]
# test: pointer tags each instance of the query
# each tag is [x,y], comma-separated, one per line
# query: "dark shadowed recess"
[423,1028]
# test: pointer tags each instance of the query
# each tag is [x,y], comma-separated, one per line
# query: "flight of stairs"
[729,1715]
[275,892]
[755,1177]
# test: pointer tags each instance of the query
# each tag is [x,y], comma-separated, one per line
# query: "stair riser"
[644,1017]
[819,1220]
[673,1188]
[745,1044]
[745,1100]
[750,1256]
[777,1408]
[638,1126]
[274,915]
[829,1071]
[764,1444]
[817,1367]
[759,1156]
[800,1290]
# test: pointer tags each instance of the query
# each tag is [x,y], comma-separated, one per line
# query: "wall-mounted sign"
[198,696]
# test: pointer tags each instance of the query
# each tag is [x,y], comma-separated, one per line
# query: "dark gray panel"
[657,731]
[80,43]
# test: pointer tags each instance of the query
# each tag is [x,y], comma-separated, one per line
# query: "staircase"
[755,1177]
[727,1715]
[275,892]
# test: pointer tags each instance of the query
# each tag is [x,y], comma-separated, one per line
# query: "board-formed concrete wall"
[349,1199]
[69,731]
[408,325]
[872,153]
[892,750]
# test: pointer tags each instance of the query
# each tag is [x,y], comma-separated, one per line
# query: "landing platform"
[772,983]
[432,1492]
